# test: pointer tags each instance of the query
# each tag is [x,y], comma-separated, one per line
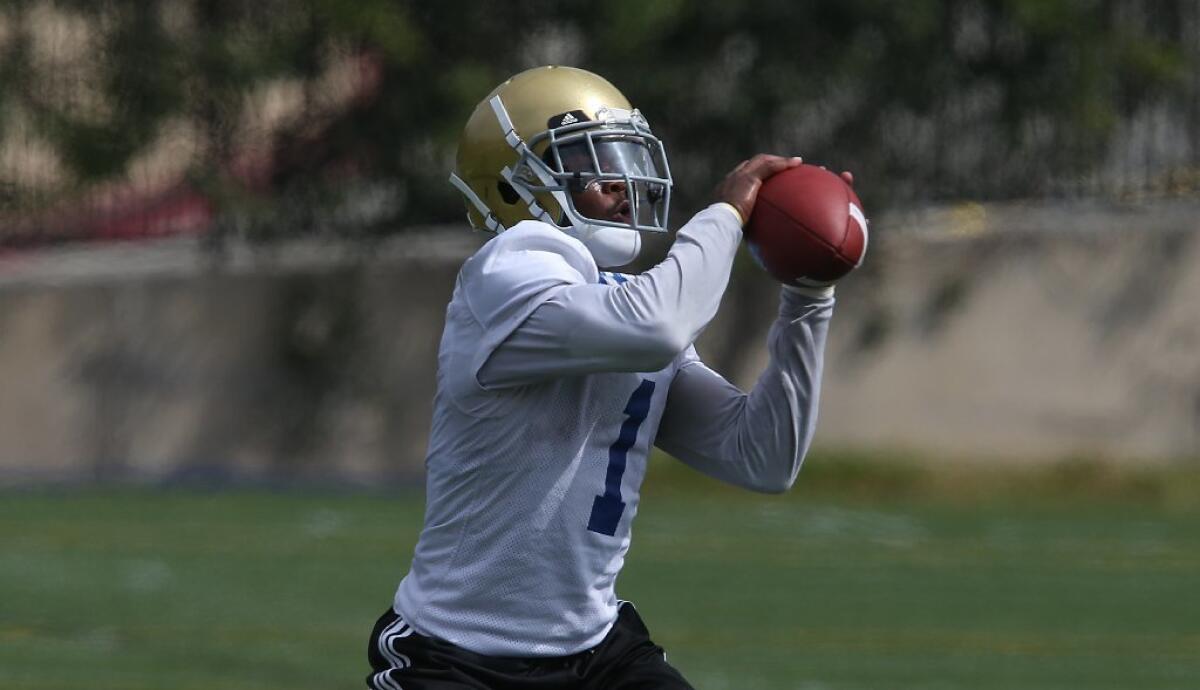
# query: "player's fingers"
[765,165]
[741,185]
[848,177]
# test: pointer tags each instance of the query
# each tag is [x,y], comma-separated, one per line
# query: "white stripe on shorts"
[396,630]
[383,681]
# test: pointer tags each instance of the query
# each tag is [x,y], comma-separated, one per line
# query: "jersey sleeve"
[641,324]
[497,290]
[756,440]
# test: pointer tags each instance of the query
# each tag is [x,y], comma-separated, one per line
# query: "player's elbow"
[773,485]
[660,343]
[776,478]
[670,340]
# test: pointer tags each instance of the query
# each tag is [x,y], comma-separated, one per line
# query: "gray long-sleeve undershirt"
[756,440]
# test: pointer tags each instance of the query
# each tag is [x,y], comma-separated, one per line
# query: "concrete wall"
[302,371]
[1009,344]
[1024,347]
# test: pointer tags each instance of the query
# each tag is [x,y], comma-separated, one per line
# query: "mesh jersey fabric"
[513,475]
[542,425]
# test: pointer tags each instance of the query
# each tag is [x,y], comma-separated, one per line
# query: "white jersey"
[553,382]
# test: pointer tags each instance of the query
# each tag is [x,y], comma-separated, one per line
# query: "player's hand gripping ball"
[807,227]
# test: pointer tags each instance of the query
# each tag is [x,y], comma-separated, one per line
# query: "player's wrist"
[811,291]
[730,208]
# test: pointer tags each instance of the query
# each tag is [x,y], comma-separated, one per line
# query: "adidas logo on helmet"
[568,118]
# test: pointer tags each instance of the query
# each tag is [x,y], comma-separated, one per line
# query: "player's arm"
[758,439]
[639,325]
[644,323]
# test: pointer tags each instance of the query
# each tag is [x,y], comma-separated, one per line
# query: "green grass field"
[833,586]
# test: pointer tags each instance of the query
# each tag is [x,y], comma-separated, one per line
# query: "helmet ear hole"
[507,192]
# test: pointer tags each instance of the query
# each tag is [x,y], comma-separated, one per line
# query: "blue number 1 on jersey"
[607,508]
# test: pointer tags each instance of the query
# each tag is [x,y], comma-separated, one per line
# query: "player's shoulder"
[534,242]
[522,264]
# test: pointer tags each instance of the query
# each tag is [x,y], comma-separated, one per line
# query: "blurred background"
[227,243]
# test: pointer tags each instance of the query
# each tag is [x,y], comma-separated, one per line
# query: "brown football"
[807,227]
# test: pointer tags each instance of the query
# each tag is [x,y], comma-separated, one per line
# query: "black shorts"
[626,659]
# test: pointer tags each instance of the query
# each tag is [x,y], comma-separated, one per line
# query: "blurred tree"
[926,100]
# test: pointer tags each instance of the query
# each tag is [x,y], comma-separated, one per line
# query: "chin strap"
[490,221]
[524,154]
[535,209]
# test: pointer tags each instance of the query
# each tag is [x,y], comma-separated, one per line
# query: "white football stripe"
[857,214]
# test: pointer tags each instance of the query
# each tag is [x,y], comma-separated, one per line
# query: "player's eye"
[578,183]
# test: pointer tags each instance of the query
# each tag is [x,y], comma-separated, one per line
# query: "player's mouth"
[622,212]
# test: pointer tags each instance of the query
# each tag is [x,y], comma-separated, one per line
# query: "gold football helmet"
[548,133]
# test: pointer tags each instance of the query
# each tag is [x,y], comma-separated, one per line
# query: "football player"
[556,375]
